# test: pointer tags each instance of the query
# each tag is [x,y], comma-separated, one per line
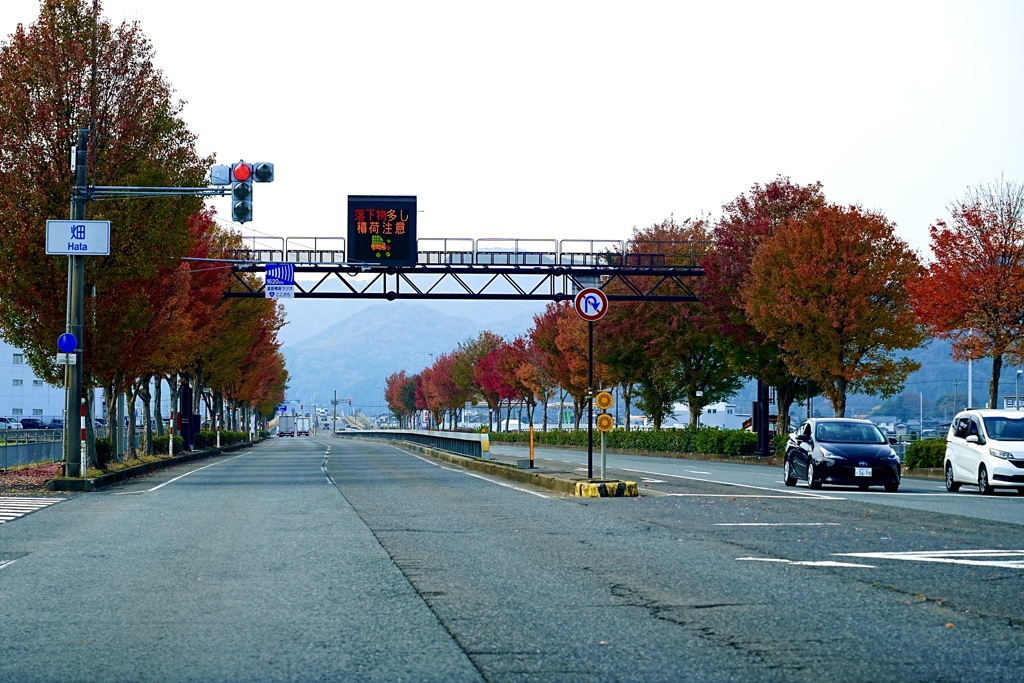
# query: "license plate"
[862,471]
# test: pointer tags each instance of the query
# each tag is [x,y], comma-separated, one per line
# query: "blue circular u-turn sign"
[66,343]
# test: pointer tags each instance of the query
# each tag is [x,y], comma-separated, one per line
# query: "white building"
[22,394]
[722,415]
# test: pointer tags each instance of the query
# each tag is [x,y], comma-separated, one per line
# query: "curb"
[606,489]
[96,483]
[567,484]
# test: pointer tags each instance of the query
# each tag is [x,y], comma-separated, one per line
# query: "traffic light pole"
[75,464]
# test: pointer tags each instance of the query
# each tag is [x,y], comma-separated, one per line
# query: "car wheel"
[951,485]
[892,488]
[863,487]
[984,488]
[787,476]
[811,482]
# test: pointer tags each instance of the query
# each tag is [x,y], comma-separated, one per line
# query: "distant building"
[22,394]
[722,415]
[887,423]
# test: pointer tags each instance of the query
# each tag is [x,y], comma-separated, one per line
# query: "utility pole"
[74,449]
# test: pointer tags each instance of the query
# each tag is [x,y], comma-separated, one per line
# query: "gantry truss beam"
[479,282]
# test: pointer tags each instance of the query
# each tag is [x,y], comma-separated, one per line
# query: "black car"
[32,423]
[841,451]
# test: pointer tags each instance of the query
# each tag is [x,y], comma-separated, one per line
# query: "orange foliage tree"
[830,289]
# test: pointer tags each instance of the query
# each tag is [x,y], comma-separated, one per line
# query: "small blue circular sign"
[66,343]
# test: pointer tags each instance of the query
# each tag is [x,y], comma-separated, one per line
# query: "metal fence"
[27,446]
[456,442]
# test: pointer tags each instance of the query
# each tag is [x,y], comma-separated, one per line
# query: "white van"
[985,448]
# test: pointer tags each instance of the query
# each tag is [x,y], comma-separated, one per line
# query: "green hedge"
[160,444]
[704,440]
[208,439]
[928,453]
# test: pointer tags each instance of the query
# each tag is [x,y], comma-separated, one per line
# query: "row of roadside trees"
[806,295]
[155,307]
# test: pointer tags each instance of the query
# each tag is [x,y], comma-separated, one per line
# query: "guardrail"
[26,446]
[463,443]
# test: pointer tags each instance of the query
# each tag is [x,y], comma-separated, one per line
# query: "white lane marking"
[171,481]
[474,474]
[980,558]
[15,507]
[822,563]
[7,564]
[730,483]
[696,472]
[780,524]
[743,495]
[652,481]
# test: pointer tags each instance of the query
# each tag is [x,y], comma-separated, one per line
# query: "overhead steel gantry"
[480,269]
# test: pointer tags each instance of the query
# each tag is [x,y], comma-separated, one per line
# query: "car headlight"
[1005,455]
[825,453]
[893,455]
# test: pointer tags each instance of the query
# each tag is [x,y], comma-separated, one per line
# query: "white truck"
[303,425]
[286,425]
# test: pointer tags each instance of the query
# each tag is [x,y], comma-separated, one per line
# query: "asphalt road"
[325,559]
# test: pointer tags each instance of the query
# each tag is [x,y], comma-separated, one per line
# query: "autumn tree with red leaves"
[973,293]
[830,289]
[663,347]
[746,223]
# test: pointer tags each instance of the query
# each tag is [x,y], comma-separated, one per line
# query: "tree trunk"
[158,397]
[131,451]
[840,398]
[784,396]
[627,400]
[993,385]
[143,391]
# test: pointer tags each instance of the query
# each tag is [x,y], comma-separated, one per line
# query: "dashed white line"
[779,524]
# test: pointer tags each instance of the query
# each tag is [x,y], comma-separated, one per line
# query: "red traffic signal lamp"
[242,175]
[241,192]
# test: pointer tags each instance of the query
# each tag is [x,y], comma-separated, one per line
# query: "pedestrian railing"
[26,446]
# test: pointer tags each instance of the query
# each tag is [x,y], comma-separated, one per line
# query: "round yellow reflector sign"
[604,400]
[605,422]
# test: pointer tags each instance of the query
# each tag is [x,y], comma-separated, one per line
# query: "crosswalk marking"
[13,507]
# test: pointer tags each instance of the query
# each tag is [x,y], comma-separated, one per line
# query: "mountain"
[351,348]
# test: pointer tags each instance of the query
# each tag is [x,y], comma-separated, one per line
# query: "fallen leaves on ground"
[31,480]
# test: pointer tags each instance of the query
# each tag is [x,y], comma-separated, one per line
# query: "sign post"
[591,304]
[605,422]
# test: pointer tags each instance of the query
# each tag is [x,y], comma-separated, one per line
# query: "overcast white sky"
[579,120]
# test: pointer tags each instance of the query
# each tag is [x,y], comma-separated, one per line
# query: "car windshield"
[849,432]
[1005,428]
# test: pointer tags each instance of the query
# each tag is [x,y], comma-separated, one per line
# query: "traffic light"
[241,192]
[263,172]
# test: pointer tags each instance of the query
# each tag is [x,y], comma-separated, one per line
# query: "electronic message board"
[382,230]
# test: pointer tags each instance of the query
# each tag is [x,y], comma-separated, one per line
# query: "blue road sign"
[66,343]
[280,274]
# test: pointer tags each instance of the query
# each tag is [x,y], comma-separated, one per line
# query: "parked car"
[56,423]
[841,450]
[985,448]
[32,423]
[9,424]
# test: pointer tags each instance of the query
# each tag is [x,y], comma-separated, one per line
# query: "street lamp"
[1016,392]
